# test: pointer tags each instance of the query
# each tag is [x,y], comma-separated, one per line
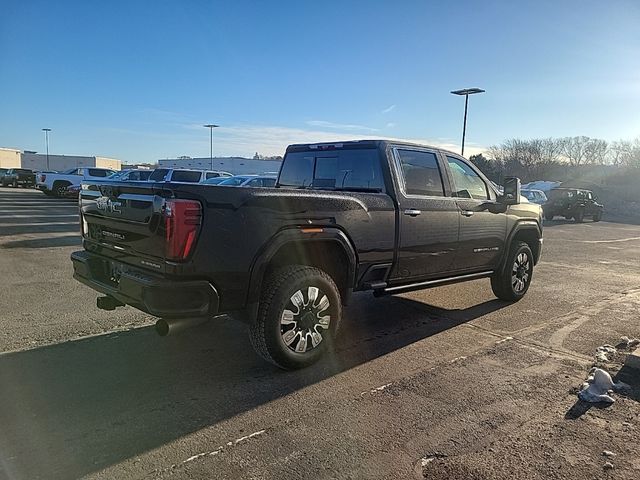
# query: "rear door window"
[94,172]
[158,174]
[421,173]
[466,182]
[191,176]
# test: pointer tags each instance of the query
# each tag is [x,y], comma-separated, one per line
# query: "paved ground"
[450,377]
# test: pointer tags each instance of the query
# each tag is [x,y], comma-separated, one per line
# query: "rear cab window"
[337,170]
[159,174]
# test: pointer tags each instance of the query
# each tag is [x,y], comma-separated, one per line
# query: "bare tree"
[596,151]
[575,150]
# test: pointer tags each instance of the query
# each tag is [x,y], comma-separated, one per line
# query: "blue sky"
[136,80]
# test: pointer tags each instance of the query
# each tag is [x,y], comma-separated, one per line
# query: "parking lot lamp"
[211,126]
[466,92]
[46,139]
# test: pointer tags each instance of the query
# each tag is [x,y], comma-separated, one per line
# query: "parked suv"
[377,215]
[573,203]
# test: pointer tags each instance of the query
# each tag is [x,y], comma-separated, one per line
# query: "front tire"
[298,315]
[512,283]
[579,216]
[597,216]
[60,189]
[548,216]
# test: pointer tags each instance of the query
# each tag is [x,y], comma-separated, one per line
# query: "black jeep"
[573,203]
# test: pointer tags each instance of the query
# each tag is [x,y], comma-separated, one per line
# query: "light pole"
[46,138]
[211,126]
[466,92]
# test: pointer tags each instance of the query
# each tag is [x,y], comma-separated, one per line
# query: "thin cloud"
[389,108]
[391,125]
[339,126]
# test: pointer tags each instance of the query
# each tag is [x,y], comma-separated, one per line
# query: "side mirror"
[510,191]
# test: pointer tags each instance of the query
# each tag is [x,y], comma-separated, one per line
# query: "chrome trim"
[438,281]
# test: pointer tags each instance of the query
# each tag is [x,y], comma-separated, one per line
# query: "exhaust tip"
[162,327]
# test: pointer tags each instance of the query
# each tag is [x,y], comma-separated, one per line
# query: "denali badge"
[118,236]
[486,249]
[106,204]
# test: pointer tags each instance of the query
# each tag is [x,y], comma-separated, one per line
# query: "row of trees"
[537,158]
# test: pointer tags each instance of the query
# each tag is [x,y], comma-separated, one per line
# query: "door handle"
[467,213]
[412,212]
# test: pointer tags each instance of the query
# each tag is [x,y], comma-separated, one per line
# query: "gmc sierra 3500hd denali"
[363,215]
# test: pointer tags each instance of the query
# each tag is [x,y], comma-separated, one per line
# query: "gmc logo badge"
[107,205]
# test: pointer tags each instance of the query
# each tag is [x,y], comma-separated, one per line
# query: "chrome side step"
[432,283]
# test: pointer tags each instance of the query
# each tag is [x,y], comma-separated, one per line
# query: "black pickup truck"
[363,215]
[18,177]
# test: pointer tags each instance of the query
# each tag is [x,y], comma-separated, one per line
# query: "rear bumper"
[145,291]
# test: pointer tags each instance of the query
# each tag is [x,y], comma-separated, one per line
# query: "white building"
[234,165]
[13,158]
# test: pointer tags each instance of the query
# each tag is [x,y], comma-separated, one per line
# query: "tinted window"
[466,182]
[192,176]
[268,182]
[22,170]
[357,170]
[297,170]
[158,174]
[421,173]
[94,172]
[212,175]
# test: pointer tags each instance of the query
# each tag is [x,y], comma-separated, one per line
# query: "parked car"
[3,171]
[376,215]
[131,175]
[56,183]
[185,175]
[534,196]
[15,177]
[573,203]
[249,181]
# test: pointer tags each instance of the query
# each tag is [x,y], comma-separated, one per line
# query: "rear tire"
[59,189]
[512,283]
[299,312]
[597,216]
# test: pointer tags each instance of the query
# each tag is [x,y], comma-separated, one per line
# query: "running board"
[432,283]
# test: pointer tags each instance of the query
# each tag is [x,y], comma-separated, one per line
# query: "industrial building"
[13,158]
[233,165]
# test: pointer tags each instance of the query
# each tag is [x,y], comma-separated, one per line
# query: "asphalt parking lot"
[443,383]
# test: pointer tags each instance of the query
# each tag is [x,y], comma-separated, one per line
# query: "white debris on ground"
[598,387]
[608,466]
[608,453]
[603,352]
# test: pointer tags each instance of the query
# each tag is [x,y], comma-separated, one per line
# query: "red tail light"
[182,221]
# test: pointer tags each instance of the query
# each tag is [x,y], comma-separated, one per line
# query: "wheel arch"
[528,231]
[327,248]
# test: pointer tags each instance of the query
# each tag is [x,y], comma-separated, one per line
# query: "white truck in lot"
[56,184]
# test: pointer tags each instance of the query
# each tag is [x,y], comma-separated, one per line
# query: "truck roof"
[359,144]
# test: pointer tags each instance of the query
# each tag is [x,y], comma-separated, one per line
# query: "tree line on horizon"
[551,158]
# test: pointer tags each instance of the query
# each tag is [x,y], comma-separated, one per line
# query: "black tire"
[270,332]
[548,216]
[579,216]
[597,216]
[15,184]
[59,189]
[504,283]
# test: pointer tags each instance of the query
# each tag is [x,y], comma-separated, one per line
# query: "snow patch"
[599,386]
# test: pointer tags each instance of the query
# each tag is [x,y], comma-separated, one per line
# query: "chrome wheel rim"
[521,272]
[304,319]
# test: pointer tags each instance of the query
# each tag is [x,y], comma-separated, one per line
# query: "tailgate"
[125,217]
